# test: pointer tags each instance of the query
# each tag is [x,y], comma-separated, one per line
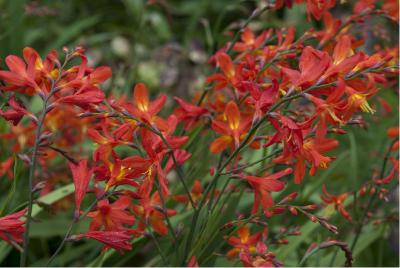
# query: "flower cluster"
[273,94]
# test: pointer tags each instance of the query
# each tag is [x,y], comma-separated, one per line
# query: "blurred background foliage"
[166,44]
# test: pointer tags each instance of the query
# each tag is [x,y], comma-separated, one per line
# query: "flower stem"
[24,255]
[371,199]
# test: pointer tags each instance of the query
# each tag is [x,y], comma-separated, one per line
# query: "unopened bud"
[282,241]
[292,210]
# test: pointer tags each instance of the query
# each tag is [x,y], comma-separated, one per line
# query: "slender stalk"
[32,168]
[33,163]
[241,168]
[371,199]
[215,185]
[155,240]
[250,134]
[74,221]
[164,208]
[178,169]
[60,247]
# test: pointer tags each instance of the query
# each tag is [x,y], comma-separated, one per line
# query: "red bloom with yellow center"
[344,58]
[329,110]
[231,73]
[28,75]
[111,217]
[233,129]
[250,41]
[144,109]
[150,212]
[244,243]
[312,153]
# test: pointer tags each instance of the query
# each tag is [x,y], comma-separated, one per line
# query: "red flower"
[22,74]
[16,113]
[262,99]
[193,262]
[263,186]
[393,133]
[312,153]
[394,173]
[149,212]
[244,243]
[11,228]
[188,113]
[336,201]
[6,167]
[317,8]
[330,30]
[111,216]
[81,175]
[233,129]
[121,172]
[84,97]
[105,142]
[312,65]
[196,193]
[344,59]
[118,240]
[328,111]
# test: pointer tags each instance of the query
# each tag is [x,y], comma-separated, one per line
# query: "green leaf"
[14,184]
[70,32]
[52,197]
[5,249]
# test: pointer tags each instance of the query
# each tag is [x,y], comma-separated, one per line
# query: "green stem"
[371,199]
[158,246]
[75,221]
[24,255]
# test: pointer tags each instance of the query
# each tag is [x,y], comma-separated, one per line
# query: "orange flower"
[231,74]
[26,74]
[196,193]
[331,28]
[233,129]
[144,109]
[250,41]
[244,243]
